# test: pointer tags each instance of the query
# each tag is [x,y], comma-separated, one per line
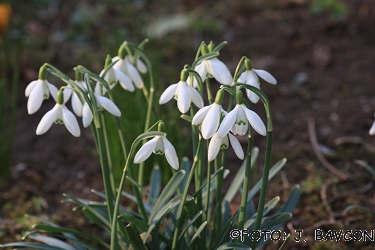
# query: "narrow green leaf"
[143,226]
[186,166]
[51,241]
[155,184]
[274,220]
[267,208]
[135,239]
[273,171]
[190,223]
[233,245]
[31,245]
[367,167]
[238,179]
[197,233]
[225,234]
[348,208]
[167,192]
[54,229]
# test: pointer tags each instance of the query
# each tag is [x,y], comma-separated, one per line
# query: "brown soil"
[325,72]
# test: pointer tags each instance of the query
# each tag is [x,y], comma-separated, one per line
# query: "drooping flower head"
[250,77]
[158,145]
[217,143]
[212,68]
[39,90]
[239,118]
[113,76]
[372,129]
[125,65]
[102,103]
[209,116]
[59,114]
[183,93]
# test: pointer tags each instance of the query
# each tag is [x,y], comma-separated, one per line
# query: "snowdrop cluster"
[215,123]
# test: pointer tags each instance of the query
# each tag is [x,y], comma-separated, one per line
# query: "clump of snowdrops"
[193,210]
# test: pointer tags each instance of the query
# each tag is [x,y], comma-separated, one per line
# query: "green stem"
[121,186]
[246,184]
[181,207]
[108,151]
[209,93]
[208,188]
[105,170]
[219,188]
[263,191]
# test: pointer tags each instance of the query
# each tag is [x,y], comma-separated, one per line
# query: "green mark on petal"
[223,146]
[59,121]
[159,152]
[241,122]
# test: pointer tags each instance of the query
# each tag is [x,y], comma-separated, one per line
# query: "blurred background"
[322,52]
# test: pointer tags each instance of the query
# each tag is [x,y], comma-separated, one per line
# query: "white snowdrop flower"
[59,114]
[209,116]
[250,77]
[158,145]
[239,118]
[183,93]
[126,66]
[215,68]
[216,144]
[76,102]
[39,90]
[103,103]
[372,129]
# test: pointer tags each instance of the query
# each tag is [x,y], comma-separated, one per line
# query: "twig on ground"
[319,155]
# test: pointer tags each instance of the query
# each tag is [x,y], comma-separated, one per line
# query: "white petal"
[213,147]
[30,87]
[241,125]
[183,97]
[200,115]
[220,72]
[53,90]
[211,122]
[67,93]
[254,98]
[86,115]
[195,97]
[141,66]
[108,105]
[168,94]
[35,99]
[227,123]
[242,78]
[170,154]
[372,129]
[265,76]
[124,80]
[76,104]
[202,71]
[254,120]
[47,121]
[70,122]
[146,150]
[134,75]
[236,146]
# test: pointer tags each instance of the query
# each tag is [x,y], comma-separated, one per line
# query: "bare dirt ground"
[325,70]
